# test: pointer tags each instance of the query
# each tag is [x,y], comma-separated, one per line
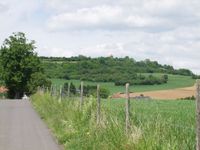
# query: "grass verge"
[155,124]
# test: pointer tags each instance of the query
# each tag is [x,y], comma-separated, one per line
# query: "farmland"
[155,124]
[100,75]
[171,94]
[175,81]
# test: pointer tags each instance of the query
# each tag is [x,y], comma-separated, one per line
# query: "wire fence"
[63,94]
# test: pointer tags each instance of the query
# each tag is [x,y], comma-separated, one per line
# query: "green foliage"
[165,78]
[143,80]
[174,81]
[154,124]
[20,66]
[189,98]
[1,83]
[195,76]
[109,69]
[104,93]
[72,88]
[184,72]
[37,79]
[89,90]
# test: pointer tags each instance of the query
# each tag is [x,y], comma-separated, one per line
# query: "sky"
[167,31]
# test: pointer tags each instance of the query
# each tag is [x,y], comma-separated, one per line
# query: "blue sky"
[167,31]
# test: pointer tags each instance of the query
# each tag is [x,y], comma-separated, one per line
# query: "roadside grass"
[175,81]
[161,125]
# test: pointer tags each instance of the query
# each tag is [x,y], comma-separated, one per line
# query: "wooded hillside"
[110,69]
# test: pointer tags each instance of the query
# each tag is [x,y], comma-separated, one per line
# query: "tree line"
[110,69]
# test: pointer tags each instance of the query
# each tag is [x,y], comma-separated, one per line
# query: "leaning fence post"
[198,114]
[68,90]
[98,104]
[127,108]
[81,94]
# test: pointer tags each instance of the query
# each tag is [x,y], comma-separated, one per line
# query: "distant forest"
[110,69]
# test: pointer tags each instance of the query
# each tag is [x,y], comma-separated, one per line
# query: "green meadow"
[174,81]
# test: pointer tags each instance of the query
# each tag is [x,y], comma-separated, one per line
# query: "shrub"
[92,90]
[104,93]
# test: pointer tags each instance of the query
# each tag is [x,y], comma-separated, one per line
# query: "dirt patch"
[163,94]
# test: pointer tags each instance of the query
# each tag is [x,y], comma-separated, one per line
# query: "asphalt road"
[22,129]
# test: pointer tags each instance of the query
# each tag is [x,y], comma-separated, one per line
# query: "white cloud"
[179,48]
[105,18]
[163,30]
[116,49]
[55,51]
[151,15]
[3,7]
[86,18]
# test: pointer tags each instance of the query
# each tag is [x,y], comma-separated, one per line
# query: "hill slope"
[108,69]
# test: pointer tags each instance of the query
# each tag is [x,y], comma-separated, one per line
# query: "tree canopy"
[110,69]
[21,68]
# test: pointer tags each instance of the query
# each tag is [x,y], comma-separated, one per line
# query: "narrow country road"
[22,129]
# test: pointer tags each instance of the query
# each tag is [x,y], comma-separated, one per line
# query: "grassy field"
[160,125]
[175,81]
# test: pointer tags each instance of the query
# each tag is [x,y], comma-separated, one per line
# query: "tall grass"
[76,128]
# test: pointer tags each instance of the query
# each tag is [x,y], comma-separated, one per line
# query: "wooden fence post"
[60,94]
[198,114]
[51,90]
[47,90]
[127,108]
[38,89]
[43,89]
[68,90]
[81,94]
[98,104]
[55,91]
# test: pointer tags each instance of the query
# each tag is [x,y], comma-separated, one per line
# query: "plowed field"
[163,94]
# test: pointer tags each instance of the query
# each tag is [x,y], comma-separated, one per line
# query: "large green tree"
[21,68]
